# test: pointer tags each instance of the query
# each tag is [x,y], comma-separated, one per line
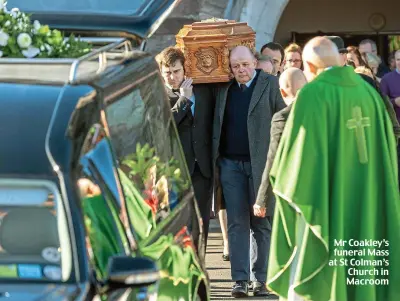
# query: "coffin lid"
[215,27]
[138,17]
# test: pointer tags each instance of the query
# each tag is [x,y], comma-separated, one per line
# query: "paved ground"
[219,270]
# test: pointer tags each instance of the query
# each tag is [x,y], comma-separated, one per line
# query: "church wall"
[263,16]
[307,16]
[187,12]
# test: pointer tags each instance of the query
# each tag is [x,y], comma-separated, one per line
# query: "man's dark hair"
[169,56]
[274,46]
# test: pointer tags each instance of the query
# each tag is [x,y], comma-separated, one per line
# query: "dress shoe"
[260,289]
[240,289]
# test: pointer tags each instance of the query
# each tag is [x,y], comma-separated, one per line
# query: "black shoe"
[260,289]
[225,257]
[240,289]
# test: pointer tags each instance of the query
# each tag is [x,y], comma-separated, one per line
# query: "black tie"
[175,90]
[243,87]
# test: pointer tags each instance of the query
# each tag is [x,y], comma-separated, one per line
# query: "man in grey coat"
[243,113]
[290,83]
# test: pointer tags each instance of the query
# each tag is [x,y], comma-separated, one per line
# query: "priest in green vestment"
[336,230]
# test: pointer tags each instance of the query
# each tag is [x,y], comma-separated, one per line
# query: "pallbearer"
[193,112]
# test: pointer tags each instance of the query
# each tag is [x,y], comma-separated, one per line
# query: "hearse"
[96,201]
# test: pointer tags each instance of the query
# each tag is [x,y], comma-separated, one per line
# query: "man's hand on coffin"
[186,88]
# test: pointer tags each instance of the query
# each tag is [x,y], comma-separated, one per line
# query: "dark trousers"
[248,261]
[203,193]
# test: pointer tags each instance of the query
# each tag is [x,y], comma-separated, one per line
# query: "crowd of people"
[296,143]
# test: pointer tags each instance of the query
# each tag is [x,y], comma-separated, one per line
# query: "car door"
[154,177]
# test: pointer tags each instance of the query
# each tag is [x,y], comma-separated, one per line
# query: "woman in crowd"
[293,56]
[373,61]
[354,56]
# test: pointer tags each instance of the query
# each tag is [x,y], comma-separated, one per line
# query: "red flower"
[151,200]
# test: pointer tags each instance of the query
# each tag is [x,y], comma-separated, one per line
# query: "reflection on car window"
[152,169]
[31,220]
[105,232]
[89,6]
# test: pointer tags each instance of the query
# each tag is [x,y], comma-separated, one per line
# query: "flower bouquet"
[21,38]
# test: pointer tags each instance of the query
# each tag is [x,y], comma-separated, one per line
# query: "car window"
[106,235]
[89,6]
[34,240]
[151,165]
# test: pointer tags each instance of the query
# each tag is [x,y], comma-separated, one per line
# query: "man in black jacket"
[193,111]
[290,82]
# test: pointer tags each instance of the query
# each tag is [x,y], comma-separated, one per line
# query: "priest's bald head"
[290,83]
[318,54]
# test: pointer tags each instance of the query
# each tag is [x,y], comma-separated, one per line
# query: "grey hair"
[369,41]
[264,58]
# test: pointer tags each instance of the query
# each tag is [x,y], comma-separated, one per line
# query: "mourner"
[290,83]
[243,112]
[193,111]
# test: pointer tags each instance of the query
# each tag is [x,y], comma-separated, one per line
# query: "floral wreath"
[21,38]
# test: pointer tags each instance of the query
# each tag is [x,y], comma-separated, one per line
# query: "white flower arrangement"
[21,38]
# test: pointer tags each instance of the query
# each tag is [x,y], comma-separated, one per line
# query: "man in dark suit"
[290,83]
[193,111]
[243,112]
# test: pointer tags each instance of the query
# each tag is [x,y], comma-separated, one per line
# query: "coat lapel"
[223,94]
[198,113]
[261,85]
[197,96]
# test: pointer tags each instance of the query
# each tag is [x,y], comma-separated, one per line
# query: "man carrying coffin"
[335,180]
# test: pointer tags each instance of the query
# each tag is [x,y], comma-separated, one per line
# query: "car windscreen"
[34,240]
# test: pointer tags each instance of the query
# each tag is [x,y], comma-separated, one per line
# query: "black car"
[96,201]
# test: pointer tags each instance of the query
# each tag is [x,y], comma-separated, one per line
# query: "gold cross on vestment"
[358,123]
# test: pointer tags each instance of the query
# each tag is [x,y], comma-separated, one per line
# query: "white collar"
[250,81]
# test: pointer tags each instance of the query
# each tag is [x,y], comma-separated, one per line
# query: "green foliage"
[144,158]
[394,43]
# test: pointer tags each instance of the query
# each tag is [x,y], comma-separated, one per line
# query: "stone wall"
[187,12]
[262,15]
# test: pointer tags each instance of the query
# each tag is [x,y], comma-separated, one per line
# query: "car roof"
[139,17]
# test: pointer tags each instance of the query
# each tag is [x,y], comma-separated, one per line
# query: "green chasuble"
[336,171]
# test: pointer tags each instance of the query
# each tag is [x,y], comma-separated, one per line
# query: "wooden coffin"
[206,46]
